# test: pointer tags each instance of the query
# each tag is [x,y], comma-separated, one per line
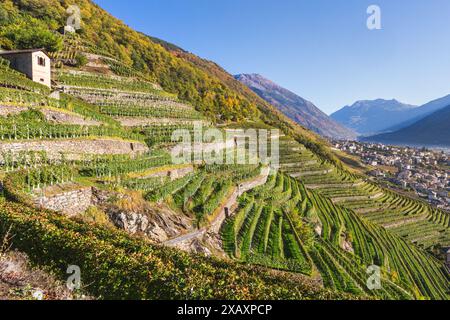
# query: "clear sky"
[319,49]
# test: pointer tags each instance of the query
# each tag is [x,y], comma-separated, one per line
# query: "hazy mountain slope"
[433,130]
[373,116]
[295,107]
[269,114]
[423,111]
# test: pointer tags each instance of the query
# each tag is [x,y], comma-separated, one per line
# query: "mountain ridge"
[372,116]
[433,130]
[424,111]
[295,107]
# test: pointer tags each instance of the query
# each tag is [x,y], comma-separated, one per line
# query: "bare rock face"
[207,244]
[347,246]
[318,230]
[158,226]
[158,223]
[347,243]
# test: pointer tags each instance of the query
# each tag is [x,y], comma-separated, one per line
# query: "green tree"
[30,34]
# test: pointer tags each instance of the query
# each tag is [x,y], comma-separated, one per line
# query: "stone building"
[34,63]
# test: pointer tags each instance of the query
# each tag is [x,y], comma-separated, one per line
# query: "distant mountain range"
[433,130]
[295,107]
[371,117]
[422,112]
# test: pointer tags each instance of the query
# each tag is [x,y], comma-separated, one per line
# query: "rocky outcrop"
[136,216]
[158,224]
[347,246]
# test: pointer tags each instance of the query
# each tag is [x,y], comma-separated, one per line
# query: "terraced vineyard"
[118,266]
[134,103]
[274,227]
[262,233]
[410,219]
[10,78]
[311,218]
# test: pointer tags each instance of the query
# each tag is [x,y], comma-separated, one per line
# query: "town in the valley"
[425,173]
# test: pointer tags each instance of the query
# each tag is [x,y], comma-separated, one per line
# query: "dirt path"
[231,204]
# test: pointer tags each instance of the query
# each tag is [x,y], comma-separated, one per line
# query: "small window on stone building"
[42,80]
[41,61]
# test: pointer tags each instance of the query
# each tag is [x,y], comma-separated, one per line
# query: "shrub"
[95,215]
[117,266]
[81,60]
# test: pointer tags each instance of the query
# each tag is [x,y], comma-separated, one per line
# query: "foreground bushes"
[116,266]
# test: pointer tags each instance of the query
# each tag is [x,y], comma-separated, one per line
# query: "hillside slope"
[373,116]
[433,130]
[110,135]
[205,85]
[295,107]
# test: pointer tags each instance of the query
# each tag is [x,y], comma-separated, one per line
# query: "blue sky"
[319,49]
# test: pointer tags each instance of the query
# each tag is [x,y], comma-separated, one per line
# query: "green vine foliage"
[116,266]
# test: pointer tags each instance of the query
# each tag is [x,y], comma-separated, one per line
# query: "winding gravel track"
[230,203]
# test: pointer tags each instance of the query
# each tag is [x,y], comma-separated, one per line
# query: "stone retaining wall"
[357,198]
[51,115]
[67,118]
[73,148]
[173,174]
[139,122]
[71,202]
[311,173]
[331,185]
[7,110]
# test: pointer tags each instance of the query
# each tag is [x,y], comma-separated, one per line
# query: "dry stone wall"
[10,110]
[140,122]
[67,118]
[70,202]
[51,115]
[73,148]
[173,174]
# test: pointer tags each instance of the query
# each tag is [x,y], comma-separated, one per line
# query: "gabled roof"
[23,51]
